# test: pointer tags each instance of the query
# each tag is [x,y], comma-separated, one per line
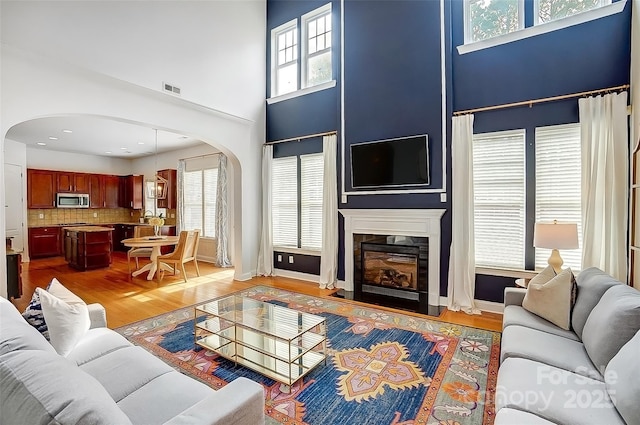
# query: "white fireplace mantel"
[400,222]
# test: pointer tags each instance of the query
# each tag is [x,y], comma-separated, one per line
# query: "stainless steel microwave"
[72,200]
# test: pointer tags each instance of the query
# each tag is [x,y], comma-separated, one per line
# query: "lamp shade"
[556,235]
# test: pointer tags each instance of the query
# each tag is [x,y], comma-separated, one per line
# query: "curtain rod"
[301,138]
[545,99]
[202,156]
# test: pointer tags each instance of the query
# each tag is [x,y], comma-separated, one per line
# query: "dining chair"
[185,252]
[139,232]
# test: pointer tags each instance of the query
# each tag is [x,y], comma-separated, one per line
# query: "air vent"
[171,89]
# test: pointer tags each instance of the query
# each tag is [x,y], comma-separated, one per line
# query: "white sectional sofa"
[589,374]
[107,380]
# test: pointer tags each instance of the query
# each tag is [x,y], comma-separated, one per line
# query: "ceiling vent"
[171,89]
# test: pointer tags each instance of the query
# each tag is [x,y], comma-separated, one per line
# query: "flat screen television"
[390,163]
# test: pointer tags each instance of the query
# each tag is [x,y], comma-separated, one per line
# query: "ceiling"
[97,136]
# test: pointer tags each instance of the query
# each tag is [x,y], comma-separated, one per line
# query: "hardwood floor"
[129,299]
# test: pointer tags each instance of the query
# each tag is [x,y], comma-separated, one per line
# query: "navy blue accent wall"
[393,89]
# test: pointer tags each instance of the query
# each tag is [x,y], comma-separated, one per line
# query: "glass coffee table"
[275,341]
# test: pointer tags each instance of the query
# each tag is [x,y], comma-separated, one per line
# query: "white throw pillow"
[67,322]
[544,276]
[552,300]
[56,289]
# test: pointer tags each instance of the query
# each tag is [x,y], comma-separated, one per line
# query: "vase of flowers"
[156,222]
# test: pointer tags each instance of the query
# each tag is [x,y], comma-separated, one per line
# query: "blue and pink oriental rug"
[382,368]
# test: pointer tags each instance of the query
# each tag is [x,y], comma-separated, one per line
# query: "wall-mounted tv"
[390,163]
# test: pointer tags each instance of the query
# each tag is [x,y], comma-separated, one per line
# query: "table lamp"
[556,236]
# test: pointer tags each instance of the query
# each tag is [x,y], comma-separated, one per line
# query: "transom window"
[550,10]
[302,62]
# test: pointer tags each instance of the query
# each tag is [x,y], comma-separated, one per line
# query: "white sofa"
[589,374]
[107,380]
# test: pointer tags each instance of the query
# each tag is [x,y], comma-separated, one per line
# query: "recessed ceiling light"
[124,149]
[53,138]
[67,131]
[141,143]
[108,152]
[41,144]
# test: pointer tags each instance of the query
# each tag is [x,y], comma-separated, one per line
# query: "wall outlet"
[443,197]
[95,215]
[291,259]
[40,215]
[279,258]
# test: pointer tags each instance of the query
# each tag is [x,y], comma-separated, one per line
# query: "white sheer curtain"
[329,252]
[180,184]
[603,133]
[462,274]
[265,252]
[222,215]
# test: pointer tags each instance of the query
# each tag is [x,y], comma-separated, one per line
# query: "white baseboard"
[488,306]
[296,275]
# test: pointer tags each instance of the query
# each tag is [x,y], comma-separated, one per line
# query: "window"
[297,201]
[500,216]
[200,190]
[490,18]
[499,196]
[558,188]
[288,74]
[550,10]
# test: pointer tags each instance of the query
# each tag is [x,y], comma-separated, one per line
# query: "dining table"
[155,243]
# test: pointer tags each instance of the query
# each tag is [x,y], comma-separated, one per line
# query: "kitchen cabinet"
[68,182]
[44,241]
[120,232]
[96,191]
[111,186]
[41,189]
[88,247]
[170,201]
[131,192]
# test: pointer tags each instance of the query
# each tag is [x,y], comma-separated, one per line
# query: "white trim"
[547,27]
[467,23]
[296,275]
[443,106]
[304,39]
[516,274]
[301,92]
[286,27]
[393,191]
[342,119]
[292,250]
[488,306]
[402,222]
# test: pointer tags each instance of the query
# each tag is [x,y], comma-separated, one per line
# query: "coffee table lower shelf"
[266,364]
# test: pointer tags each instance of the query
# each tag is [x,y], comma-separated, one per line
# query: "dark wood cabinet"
[41,188]
[44,242]
[96,191]
[131,192]
[170,201]
[88,249]
[111,185]
[122,231]
[69,182]
[14,275]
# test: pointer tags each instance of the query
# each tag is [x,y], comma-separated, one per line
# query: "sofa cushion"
[532,344]
[40,387]
[516,315]
[67,323]
[622,378]
[16,333]
[96,343]
[551,300]
[612,323]
[169,394]
[556,395]
[137,365]
[592,284]
[508,416]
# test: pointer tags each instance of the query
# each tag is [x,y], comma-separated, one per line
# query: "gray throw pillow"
[622,378]
[39,387]
[592,283]
[611,324]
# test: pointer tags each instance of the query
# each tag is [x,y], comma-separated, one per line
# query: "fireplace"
[391,270]
[396,227]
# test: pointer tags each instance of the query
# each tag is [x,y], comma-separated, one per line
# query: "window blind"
[210,189]
[499,196]
[311,184]
[192,189]
[285,201]
[558,186]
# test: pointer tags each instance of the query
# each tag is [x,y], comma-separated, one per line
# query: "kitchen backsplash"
[53,216]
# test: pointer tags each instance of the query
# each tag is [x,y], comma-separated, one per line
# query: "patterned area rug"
[382,367]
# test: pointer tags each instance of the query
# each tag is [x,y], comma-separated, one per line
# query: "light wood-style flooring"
[129,299]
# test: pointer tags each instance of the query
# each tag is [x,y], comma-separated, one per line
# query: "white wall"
[40,77]
[65,161]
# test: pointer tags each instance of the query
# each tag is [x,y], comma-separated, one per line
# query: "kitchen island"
[88,247]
